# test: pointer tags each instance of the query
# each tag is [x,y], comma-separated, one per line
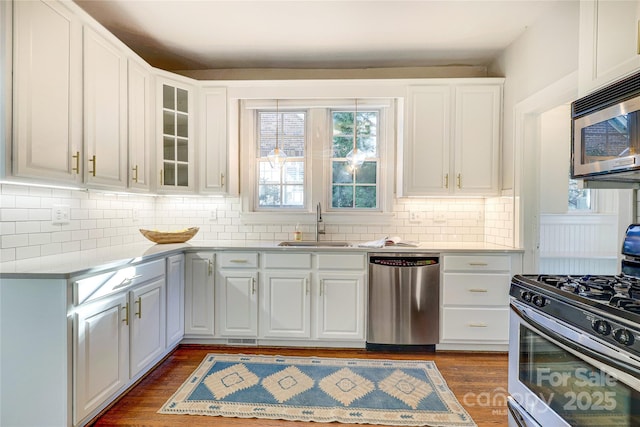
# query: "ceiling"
[319,34]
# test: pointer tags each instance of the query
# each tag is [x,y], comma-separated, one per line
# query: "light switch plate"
[60,214]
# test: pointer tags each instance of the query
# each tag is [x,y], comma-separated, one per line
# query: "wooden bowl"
[161,237]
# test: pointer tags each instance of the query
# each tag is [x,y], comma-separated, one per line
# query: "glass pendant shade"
[276,158]
[355,158]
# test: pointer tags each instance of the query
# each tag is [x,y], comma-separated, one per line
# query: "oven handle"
[610,361]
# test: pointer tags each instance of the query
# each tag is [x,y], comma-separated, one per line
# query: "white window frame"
[318,159]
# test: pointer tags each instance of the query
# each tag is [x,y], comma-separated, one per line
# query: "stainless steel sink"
[313,244]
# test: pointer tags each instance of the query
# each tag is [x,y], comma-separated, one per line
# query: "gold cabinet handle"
[477,325]
[306,286]
[478,264]
[459,180]
[210,267]
[221,180]
[446,180]
[239,261]
[77,158]
[135,177]
[126,314]
[253,286]
[93,160]
[139,302]
[477,290]
[161,180]
[321,286]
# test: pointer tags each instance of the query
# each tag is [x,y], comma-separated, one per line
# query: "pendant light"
[355,158]
[276,156]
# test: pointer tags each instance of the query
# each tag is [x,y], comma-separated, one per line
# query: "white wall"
[555,156]
[546,52]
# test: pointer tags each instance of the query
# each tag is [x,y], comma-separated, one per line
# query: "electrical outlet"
[439,218]
[135,215]
[60,214]
[416,216]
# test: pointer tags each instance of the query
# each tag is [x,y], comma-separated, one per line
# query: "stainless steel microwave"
[605,141]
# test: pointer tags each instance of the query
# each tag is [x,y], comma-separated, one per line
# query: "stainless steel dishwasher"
[404,301]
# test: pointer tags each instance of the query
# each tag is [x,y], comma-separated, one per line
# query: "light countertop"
[72,264]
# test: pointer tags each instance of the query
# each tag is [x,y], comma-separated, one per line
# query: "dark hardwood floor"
[479,381]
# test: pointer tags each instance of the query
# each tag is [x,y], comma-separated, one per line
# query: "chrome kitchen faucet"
[319,222]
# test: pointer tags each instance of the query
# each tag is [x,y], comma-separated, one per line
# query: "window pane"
[267,174]
[183,175]
[183,100]
[168,123]
[342,145]
[183,150]
[168,97]
[366,197]
[342,196]
[169,174]
[182,121]
[269,196]
[293,172]
[579,199]
[293,196]
[366,174]
[169,150]
[341,173]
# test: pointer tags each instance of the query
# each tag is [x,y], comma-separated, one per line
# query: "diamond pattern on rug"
[287,383]
[406,388]
[345,386]
[229,380]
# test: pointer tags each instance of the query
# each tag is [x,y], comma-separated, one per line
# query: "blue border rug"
[387,392]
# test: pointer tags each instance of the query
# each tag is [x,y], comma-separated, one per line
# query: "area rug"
[387,392]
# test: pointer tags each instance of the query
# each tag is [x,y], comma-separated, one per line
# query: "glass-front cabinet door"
[176,151]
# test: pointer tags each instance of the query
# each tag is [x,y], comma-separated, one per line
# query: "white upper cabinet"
[140,114]
[453,140]
[175,124]
[105,112]
[213,158]
[609,45]
[47,109]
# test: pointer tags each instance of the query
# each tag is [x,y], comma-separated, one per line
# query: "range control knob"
[601,326]
[539,300]
[526,296]
[623,336]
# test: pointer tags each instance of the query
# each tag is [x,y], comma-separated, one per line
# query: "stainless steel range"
[574,349]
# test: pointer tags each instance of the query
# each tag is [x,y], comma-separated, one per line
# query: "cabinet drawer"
[341,261]
[237,259]
[477,263]
[476,289]
[462,324]
[94,287]
[289,260]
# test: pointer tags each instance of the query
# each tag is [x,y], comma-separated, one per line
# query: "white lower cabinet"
[237,303]
[340,306]
[119,332]
[175,300]
[101,359]
[286,304]
[475,300]
[199,295]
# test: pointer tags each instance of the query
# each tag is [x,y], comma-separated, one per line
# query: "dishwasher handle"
[404,261]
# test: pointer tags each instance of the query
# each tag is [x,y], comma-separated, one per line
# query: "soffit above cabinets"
[217,34]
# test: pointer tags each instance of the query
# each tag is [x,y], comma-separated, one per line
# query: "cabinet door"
[213,162]
[426,153]
[340,307]
[105,107]
[175,299]
[176,145]
[147,334]
[199,295]
[140,124]
[101,352]
[286,305]
[47,113]
[477,139]
[237,299]
[608,42]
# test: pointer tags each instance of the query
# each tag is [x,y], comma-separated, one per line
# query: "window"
[316,136]
[579,198]
[281,187]
[354,187]
[175,129]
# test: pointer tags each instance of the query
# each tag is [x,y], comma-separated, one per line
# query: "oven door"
[606,140]
[559,376]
